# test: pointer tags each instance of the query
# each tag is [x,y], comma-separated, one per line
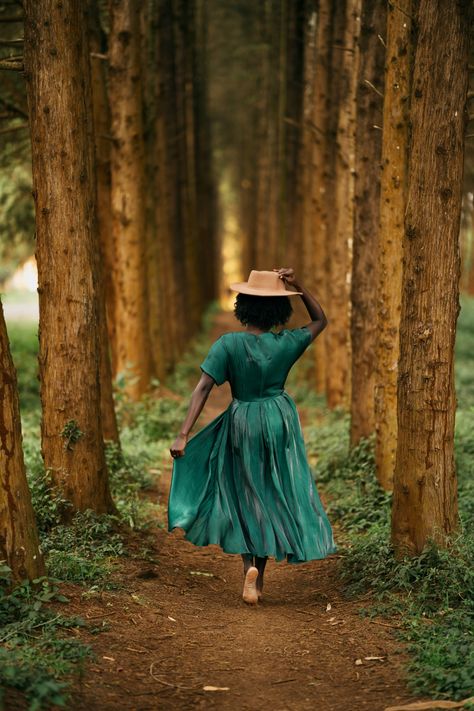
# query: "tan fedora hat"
[263,284]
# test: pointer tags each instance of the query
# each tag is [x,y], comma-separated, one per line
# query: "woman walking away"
[243,482]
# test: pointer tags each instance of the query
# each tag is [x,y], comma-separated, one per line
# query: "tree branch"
[11,19]
[11,43]
[369,83]
[14,64]
[11,129]
[404,12]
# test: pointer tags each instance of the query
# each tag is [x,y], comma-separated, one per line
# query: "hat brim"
[244,288]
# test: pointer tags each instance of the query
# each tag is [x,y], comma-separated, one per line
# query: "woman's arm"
[314,308]
[198,400]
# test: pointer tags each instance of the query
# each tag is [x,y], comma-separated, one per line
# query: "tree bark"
[57,65]
[392,210]
[425,491]
[127,195]
[322,186]
[307,141]
[258,250]
[368,141]
[105,249]
[344,60]
[153,165]
[19,543]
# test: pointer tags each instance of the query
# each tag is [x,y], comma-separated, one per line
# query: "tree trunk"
[153,165]
[307,141]
[103,142]
[189,199]
[368,141]
[19,543]
[258,250]
[127,194]
[392,211]
[322,187]
[105,249]
[57,64]
[425,492]
[338,340]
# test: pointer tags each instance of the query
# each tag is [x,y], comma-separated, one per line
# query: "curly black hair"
[262,311]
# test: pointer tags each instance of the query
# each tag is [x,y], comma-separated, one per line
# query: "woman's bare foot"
[250,592]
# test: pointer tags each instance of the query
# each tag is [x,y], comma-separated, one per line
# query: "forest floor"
[177,624]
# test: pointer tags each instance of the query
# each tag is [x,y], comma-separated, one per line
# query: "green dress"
[245,482]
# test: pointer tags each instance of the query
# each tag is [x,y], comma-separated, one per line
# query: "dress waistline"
[260,399]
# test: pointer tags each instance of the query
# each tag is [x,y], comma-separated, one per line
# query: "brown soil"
[179,625]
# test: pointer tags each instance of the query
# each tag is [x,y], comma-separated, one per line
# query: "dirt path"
[180,625]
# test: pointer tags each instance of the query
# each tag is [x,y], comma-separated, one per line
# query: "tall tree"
[425,494]
[368,140]
[105,248]
[307,140]
[321,185]
[19,543]
[57,64]
[389,253]
[340,230]
[155,268]
[183,13]
[127,194]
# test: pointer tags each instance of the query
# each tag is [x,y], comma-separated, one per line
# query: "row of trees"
[124,203]
[358,181]
[346,145]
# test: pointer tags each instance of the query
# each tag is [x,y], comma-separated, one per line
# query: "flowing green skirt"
[245,484]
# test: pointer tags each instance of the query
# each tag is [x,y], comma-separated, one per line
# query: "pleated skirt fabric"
[245,484]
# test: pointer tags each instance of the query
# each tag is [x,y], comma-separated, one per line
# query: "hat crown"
[266,280]
[261,283]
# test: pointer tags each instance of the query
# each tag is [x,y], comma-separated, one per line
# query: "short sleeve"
[299,339]
[216,362]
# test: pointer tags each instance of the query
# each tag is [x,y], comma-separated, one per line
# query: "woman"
[245,483]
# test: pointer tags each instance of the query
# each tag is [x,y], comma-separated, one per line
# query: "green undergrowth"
[38,653]
[430,597]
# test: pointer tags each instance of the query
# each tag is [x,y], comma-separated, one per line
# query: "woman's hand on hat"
[287,274]
[178,446]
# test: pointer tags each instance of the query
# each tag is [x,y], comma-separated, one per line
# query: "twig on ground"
[168,683]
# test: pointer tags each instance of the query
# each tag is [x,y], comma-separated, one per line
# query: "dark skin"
[201,392]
